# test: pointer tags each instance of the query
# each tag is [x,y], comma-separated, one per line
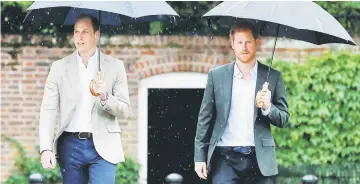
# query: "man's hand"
[201,170]
[100,88]
[48,160]
[265,96]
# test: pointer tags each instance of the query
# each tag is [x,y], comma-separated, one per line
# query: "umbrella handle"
[259,103]
[91,86]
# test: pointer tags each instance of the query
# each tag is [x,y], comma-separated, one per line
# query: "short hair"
[94,21]
[241,26]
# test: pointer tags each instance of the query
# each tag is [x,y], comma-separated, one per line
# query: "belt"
[246,150]
[80,135]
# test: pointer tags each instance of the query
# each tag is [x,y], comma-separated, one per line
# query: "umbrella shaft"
[272,56]
[99,41]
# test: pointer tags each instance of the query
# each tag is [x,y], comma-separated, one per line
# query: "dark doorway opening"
[172,120]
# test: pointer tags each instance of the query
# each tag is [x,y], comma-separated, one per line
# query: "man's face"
[84,36]
[244,45]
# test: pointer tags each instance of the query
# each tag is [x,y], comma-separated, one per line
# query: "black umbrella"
[113,13]
[107,12]
[299,20]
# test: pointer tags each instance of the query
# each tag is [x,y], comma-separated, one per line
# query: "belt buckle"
[249,151]
[239,149]
[80,136]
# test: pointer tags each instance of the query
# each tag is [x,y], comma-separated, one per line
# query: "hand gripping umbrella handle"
[91,86]
[259,103]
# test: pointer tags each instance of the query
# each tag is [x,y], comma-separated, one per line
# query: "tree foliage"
[346,12]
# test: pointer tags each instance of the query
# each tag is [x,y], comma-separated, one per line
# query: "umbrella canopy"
[299,20]
[107,12]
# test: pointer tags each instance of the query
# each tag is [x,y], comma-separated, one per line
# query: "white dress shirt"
[81,121]
[239,130]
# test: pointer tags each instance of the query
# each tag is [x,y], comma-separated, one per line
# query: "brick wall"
[25,68]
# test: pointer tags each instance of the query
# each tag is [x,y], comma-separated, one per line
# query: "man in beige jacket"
[87,142]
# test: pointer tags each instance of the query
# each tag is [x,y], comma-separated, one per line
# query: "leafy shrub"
[322,136]
[126,173]
[323,96]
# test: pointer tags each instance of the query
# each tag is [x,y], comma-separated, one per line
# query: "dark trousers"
[230,167]
[81,164]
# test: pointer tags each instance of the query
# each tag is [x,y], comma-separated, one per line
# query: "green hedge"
[127,172]
[324,105]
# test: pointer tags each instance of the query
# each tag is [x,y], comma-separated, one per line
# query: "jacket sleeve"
[49,109]
[118,103]
[206,119]
[279,114]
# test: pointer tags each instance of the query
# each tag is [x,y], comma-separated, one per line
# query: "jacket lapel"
[72,70]
[104,65]
[261,78]
[227,89]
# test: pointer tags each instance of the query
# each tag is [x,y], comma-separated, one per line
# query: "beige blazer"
[61,94]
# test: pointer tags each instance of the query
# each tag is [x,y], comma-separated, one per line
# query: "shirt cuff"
[103,102]
[266,112]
